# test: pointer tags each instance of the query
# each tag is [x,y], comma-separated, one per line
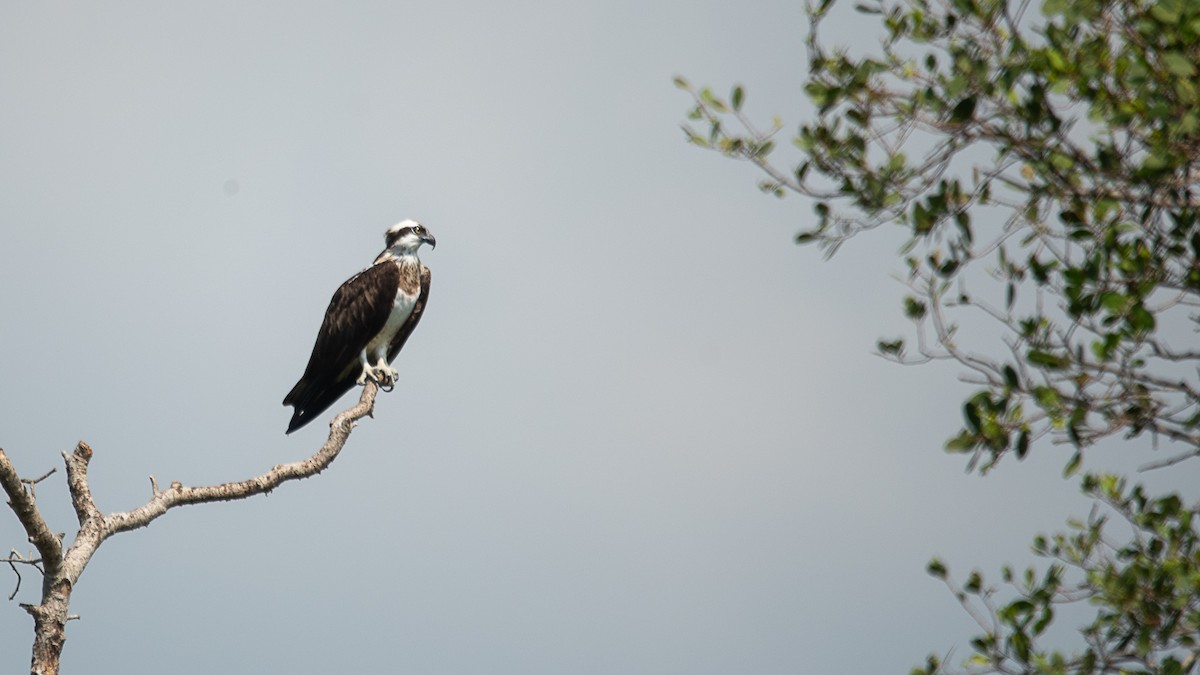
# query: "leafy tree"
[1046,170]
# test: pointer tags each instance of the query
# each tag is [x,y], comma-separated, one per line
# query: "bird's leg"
[367,371]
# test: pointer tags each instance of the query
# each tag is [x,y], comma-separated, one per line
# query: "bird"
[369,318]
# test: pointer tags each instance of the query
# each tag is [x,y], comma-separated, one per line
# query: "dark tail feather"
[309,401]
[298,420]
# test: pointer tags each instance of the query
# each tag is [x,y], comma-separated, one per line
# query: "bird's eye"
[417,229]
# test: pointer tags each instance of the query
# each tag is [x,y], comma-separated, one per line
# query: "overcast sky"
[638,430]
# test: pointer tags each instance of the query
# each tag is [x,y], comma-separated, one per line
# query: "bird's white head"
[405,237]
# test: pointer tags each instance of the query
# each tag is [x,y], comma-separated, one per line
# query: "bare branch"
[180,495]
[21,501]
[81,493]
[15,556]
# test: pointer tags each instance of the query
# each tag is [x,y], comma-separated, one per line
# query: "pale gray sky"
[639,431]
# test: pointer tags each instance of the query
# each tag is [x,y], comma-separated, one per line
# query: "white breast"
[402,307]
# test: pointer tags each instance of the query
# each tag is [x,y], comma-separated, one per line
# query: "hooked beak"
[429,239]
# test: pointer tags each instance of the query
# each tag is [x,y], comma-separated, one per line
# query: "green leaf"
[937,568]
[1140,319]
[1073,466]
[1047,397]
[735,98]
[1178,64]
[1047,360]
[711,100]
[1010,378]
[971,414]
[974,582]
[914,309]
[963,442]
[1172,667]
[894,347]
[922,220]
[818,93]
[963,111]
[1165,12]
[1113,302]
[1022,447]
[1104,349]
[806,237]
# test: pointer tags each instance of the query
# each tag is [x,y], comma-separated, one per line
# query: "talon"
[369,373]
[381,374]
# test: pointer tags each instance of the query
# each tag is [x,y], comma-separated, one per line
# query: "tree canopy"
[1045,169]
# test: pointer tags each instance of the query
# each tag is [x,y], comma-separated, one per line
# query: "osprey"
[368,320]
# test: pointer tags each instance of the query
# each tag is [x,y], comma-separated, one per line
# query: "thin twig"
[34,481]
[16,589]
[1170,461]
[13,558]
